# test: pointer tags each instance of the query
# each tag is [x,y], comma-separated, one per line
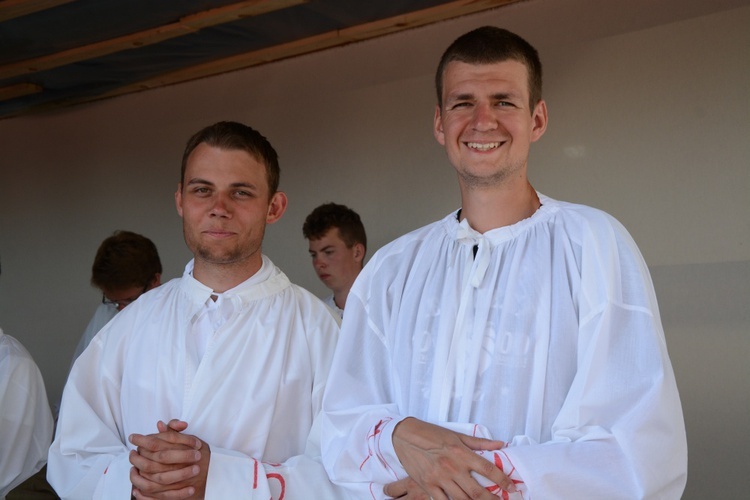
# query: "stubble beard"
[216,255]
[475,181]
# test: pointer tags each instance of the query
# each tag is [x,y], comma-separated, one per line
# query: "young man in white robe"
[337,243]
[210,385]
[513,348]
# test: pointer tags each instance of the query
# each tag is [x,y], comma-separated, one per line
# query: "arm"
[26,420]
[89,456]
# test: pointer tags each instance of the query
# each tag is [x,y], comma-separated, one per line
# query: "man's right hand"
[441,461]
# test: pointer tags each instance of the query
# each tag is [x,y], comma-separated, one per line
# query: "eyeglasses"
[122,303]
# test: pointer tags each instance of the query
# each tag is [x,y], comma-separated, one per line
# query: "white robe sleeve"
[234,475]
[25,417]
[88,458]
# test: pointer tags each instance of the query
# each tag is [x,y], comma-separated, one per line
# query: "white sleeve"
[25,417]
[234,475]
[89,458]
[359,413]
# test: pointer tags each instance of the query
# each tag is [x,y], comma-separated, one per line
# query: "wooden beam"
[18,90]
[186,25]
[315,43]
[305,46]
[10,9]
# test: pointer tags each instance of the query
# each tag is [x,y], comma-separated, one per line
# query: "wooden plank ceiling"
[56,53]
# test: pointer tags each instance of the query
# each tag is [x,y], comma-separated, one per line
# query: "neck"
[491,208]
[339,297]
[223,277]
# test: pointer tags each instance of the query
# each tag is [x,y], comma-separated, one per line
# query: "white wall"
[649,120]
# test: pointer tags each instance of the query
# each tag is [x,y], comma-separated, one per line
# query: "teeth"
[483,146]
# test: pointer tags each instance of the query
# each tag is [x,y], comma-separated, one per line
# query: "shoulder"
[412,241]
[586,224]
[15,359]
[11,347]
[310,305]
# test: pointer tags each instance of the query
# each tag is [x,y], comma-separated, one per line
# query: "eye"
[505,104]
[243,194]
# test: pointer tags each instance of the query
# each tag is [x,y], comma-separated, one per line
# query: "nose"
[483,120]
[318,263]
[220,207]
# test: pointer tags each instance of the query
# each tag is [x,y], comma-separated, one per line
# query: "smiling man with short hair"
[208,386]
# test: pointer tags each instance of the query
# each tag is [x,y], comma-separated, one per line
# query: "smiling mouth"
[483,146]
[219,234]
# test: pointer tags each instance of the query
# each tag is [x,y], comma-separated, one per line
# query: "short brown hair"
[329,215]
[125,260]
[488,45]
[234,136]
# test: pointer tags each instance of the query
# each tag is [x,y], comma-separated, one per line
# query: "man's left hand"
[169,464]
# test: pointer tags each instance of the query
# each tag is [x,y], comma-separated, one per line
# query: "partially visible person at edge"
[25,418]
[337,243]
[513,348]
[210,385]
[126,266]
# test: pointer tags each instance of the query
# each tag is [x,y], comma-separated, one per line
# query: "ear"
[155,282]
[359,252]
[276,207]
[539,117]
[438,126]
[178,198]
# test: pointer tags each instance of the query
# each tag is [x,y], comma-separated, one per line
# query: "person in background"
[25,418]
[210,385]
[513,348]
[337,244]
[126,265]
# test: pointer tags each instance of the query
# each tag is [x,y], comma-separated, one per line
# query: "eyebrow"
[499,96]
[246,185]
[321,249]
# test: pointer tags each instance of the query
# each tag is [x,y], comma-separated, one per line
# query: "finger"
[396,488]
[477,443]
[164,440]
[405,489]
[177,425]
[163,460]
[145,465]
[179,494]
[152,484]
[493,472]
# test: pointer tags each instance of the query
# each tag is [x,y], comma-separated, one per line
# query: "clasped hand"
[169,464]
[439,463]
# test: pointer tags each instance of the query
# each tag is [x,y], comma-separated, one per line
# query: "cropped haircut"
[489,45]
[125,260]
[331,215]
[233,136]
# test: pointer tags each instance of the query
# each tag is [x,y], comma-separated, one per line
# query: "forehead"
[331,237]
[208,162]
[460,77]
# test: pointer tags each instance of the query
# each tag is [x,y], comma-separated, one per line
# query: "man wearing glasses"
[126,265]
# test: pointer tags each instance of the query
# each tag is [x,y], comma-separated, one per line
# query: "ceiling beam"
[19,90]
[315,43]
[10,9]
[186,25]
